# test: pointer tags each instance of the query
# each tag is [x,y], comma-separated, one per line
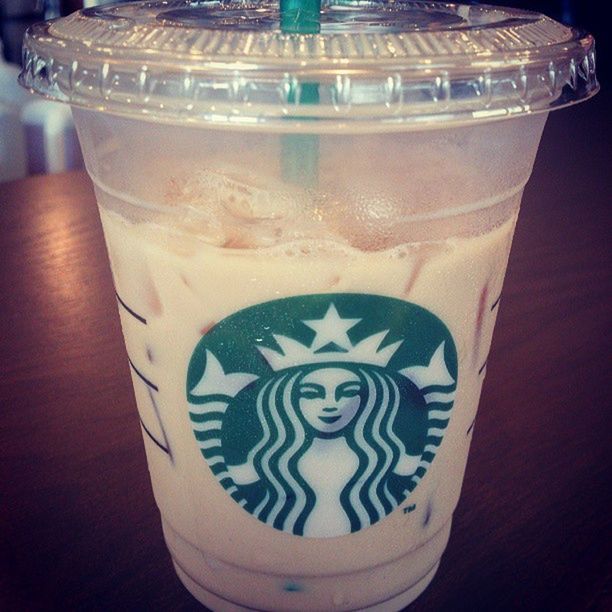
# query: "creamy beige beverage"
[307,360]
[308,235]
[183,286]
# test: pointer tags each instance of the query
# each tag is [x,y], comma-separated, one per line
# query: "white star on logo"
[434,373]
[215,381]
[331,328]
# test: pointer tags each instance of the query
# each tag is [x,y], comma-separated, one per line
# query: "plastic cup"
[307,359]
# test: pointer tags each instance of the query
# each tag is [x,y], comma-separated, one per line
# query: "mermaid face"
[329,398]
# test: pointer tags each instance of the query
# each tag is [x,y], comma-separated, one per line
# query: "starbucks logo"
[320,414]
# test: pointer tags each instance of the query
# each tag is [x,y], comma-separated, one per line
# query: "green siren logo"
[320,414]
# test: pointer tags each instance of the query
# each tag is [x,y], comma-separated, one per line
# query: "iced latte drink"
[308,285]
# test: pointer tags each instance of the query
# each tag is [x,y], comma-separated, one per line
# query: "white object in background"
[36,136]
[51,138]
[13,162]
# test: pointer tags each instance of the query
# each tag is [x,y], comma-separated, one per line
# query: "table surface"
[78,524]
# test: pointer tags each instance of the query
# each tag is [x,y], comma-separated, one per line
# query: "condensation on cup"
[308,236]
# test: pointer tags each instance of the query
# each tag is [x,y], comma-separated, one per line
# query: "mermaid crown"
[330,344]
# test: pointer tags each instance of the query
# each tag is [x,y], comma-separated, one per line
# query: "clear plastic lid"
[397,63]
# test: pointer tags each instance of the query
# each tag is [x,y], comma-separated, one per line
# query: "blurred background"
[38,136]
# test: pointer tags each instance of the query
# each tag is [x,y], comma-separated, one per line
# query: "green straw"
[300,16]
[300,152]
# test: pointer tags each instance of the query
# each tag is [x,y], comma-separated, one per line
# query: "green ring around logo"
[320,414]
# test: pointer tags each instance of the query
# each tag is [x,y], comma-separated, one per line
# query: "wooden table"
[79,528]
